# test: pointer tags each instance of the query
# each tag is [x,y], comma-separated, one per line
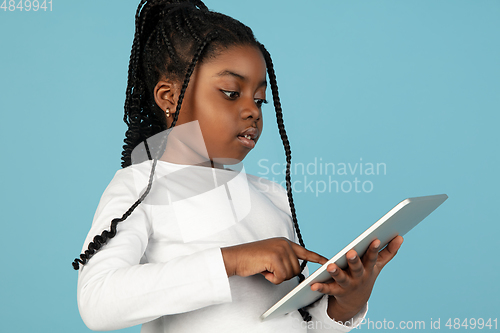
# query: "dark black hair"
[171,37]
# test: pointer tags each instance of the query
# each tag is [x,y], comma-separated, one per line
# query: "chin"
[227,160]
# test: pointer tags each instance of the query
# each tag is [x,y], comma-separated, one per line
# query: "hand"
[275,258]
[352,287]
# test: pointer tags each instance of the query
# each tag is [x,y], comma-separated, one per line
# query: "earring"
[167,112]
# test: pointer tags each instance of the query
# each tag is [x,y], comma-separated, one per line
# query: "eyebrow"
[239,76]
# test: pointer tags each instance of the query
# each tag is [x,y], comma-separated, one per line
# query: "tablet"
[398,221]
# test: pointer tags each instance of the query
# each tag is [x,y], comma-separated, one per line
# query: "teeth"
[248,137]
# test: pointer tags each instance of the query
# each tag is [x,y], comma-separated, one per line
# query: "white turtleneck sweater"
[164,268]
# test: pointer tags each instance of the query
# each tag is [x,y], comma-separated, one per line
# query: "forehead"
[247,61]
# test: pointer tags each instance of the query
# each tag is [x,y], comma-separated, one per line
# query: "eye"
[231,94]
[260,101]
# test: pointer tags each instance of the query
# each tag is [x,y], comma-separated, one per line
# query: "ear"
[166,94]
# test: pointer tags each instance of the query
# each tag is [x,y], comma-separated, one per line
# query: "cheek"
[186,113]
[216,131]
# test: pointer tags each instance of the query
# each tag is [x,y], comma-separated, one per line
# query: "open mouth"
[249,136]
[247,140]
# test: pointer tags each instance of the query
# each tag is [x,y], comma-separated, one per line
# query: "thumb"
[269,276]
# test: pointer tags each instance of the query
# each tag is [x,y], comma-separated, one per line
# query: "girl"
[198,247]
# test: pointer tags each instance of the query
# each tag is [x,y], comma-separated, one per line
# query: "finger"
[339,275]
[271,277]
[268,275]
[294,261]
[355,265]
[389,252]
[331,288]
[305,254]
[371,255]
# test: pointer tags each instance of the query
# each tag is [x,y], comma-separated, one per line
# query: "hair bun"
[197,4]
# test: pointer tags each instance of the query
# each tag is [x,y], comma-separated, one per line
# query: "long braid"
[286,144]
[188,75]
[101,239]
[284,137]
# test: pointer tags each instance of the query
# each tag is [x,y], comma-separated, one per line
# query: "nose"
[250,110]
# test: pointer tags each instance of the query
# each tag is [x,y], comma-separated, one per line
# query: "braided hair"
[171,38]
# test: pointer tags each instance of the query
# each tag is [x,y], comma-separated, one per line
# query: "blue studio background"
[412,87]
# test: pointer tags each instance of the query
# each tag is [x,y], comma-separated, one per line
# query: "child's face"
[224,95]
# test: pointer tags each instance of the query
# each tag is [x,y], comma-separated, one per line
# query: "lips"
[248,137]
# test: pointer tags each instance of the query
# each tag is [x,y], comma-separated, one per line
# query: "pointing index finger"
[305,254]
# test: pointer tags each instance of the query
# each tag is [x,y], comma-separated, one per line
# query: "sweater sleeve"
[321,322]
[115,290]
